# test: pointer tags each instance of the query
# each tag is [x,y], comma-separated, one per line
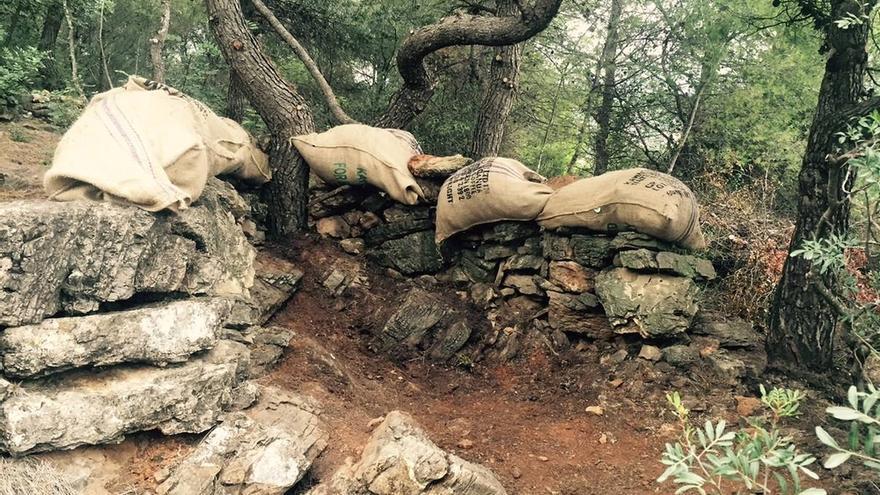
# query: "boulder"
[412,254]
[524,262]
[650,305]
[89,407]
[264,451]
[400,459]
[72,257]
[524,284]
[643,260]
[160,334]
[409,326]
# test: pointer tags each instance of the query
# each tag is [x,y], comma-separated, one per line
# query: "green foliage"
[19,69]
[863,414]
[713,459]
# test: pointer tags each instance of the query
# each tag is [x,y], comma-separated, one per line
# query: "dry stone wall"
[577,281]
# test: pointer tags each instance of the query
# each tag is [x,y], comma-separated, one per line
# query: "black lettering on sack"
[469,182]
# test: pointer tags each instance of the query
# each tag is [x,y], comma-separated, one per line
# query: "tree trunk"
[499,93]
[279,104]
[802,322]
[13,23]
[609,68]
[71,46]
[157,43]
[587,109]
[236,101]
[49,77]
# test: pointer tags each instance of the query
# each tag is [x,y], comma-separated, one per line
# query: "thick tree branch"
[459,29]
[332,103]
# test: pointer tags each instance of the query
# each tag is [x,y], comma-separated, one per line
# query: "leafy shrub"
[18,135]
[864,419]
[713,459]
[19,69]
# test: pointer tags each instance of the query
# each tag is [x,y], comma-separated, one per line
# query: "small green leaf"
[836,459]
[825,438]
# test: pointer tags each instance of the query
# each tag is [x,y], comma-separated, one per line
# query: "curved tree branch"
[459,29]
[332,103]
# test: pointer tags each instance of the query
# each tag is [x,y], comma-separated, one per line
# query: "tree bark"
[279,104]
[49,76]
[499,93]
[303,54]
[71,46]
[802,322]
[236,101]
[609,69]
[459,29]
[157,43]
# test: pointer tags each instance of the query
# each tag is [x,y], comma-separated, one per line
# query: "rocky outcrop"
[88,407]
[160,334]
[74,257]
[400,459]
[652,305]
[265,451]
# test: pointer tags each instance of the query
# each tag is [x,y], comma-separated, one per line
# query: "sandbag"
[489,190]
[360,154]
[148,145]
[637,199]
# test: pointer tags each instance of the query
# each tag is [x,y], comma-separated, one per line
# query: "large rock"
[651,305]
[400,459]
[408,328]
[161,334]
[666,262]
[412,254]
[73,257]
[79,408]
[262,452]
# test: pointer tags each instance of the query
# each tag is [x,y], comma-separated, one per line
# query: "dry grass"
[748,243]
[30,476]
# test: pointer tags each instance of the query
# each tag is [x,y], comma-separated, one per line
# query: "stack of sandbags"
[359,154]
[637,199]
[151,146]
[490,190]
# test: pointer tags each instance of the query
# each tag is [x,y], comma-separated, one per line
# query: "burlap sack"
[637,199]
[489,190]
[360,154]
[149,145]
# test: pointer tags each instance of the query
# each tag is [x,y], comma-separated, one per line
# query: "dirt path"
[526,420]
